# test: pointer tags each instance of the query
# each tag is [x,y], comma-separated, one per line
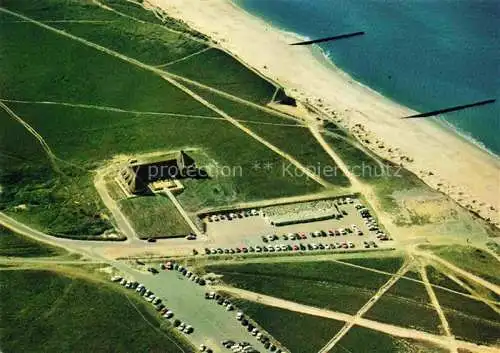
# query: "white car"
[116,278]
[258,249]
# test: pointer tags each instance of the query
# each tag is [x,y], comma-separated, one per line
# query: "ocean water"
[425,54]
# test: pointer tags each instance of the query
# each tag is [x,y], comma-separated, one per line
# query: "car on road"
[191,237]
[153,270]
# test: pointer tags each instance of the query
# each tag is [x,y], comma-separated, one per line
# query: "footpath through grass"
[49,312]
[298,332]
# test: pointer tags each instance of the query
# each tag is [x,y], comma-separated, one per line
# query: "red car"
[302,235]
[295,247]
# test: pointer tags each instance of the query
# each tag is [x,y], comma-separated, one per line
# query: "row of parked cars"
[157,303]
[174,266]
[254,331]
[232,215]
[243,347]
[371,223]
[281,248]
[353,229]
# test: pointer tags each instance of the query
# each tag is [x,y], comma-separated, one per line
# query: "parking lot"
[351,231]
[212,323]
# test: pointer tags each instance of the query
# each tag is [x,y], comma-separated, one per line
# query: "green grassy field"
[49,312]
[297,332]
[465,305]
[471,259]
[363,340]
[470,328]
[219,70]
[154,217]
[437,278]
[84,129]
[406,304]
[13,244]
[322,284]
[386,264]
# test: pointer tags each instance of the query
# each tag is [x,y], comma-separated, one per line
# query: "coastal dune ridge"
[442,158]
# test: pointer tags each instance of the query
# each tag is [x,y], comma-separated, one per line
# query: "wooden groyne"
[451,109]
[327,39]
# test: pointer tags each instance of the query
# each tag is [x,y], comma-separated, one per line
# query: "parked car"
[153,270]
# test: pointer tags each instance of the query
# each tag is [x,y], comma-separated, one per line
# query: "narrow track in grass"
[183,88]
[435,303]
[354,321]
[183,58]
[481,281]
[139,112]
[52,157]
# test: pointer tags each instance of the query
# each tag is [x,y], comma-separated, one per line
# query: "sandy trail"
[397,331]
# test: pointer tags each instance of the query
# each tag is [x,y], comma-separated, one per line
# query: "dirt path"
[437,306]
[184,58]
[121,220]
[397,331]
[183,213]
[349,324]
[52,157]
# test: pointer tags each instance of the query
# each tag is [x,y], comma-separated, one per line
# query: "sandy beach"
[441,158]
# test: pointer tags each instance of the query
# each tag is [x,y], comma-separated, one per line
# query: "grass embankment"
[297,332]
[363,340]
[85,137]
[13,244]
[323,284]
[50,312]
[154,217]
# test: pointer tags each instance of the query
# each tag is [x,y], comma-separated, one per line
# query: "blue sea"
[425,54]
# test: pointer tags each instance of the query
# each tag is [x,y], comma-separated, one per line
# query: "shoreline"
[443,159]
[441,123]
